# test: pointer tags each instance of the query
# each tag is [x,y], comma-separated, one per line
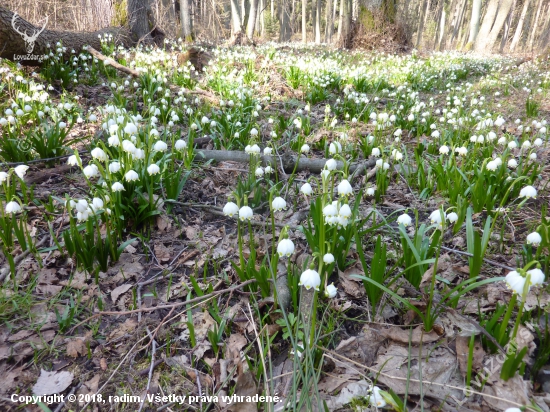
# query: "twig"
[409,379]
[153,352]
[173,305]
[47,159]
[73,390]
[5,271]
[492,262]
[114,372]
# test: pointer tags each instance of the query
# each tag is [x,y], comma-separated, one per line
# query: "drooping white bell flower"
[306,189]
[12,207]
[534,239]
[21,170]
[153,169]
[328,258]
[515,282]
[131,176]
[310,279]
[278,204]
[452,217]
[331,291]
[230,209]
[344,188]
[245,213]
[528,192]
[285,248]
[99,154]
[536,277]
[160,146]
[331,164]
[117,187]
[404,219]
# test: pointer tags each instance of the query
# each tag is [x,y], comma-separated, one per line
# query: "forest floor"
[437,195]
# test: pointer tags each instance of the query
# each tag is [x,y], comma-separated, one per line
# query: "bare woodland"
[520,26]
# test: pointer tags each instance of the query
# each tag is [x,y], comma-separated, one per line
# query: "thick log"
[20,39]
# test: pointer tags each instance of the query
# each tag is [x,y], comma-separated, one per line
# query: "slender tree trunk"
[252,19]
[318,22]
[545,31]
[236,22]
[460,21]
[474,22]
[329,28]
[285,32]
[340,20]
[507,25]
[185,12]
[424,9]
[519,27]
[137,19]
[483,42]
[304,21]
[533,28]
[442,29]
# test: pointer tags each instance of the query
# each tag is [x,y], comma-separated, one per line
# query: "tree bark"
[492,25]
[533,28]
[236,22]
[138,21]
[318,22]
[304,21]
[507,25]
[12,45]
[185,12]
[519,27]
[329,28]
[425,8]
[474,22]
[285,32]
[252,19]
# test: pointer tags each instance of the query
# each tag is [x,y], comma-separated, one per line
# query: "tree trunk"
[329,28]
[285,32]
[318,22]
[304,21]
[460,21]
[545,32]
[15,48]
[236,22]
[519,27]
[425,6]
[138,21]
[442,29]
[474,22]
[252,19]
[507,25]
[185,11]
[487,34]
[533,28]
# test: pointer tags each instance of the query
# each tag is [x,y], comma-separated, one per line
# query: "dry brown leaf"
[103,364]
[50,383]
[463,352]
[418,335]
[76,347]
[515,390]
[246,386]
[22,334]
[163,253]
[128,326]
[48,290]
[234,345]
[352,286]
[10,379]
[349,392]
[116,292]
[78,281]
[164,223]
[444,264]
[89,387]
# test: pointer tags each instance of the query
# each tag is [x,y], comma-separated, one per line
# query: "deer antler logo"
[29,40]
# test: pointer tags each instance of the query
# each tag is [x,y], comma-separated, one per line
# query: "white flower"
[528,192]
[81,205]
[82,216]
[536,277]
[538,142]
[230,209]
[344,188]
[452,217]
[404,219]
[268,169]
[160,146]
[376,398]
[62,125]
[330,210]
[245,213]
[512,145]
[285,248]
[138,154]
[513,410]
[278,204]
[328,258]
[512,163]
[259,172]
[444,150]
[128,146]
[534,239]
[515,282]
[310,279]
[306,189]
[205,120]
[254,149]
[462,151]
[335,147]
[97,203]
[131,176]
[435,134]
[253,132]
[13,207]
[113,140]
[370,191]
[90,171]
[304,149]
[114,167]
[267,151]
[3,177]
[345,211]
[436,217]
[21,170]
[331,164]
[99,154]
[180,144]
[375,152]
[492,165]
[331,291]
[396,154]
[533,156]
[117,187]
[72,161]
[130,129]
[153,169]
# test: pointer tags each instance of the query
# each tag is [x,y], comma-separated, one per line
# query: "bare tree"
[533,28]
[304,21]
[285,32]
[519,27]
[252,19]
[185,13]
[475,21]
[329,28]
[492,24]
[318,21]
[236,22]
